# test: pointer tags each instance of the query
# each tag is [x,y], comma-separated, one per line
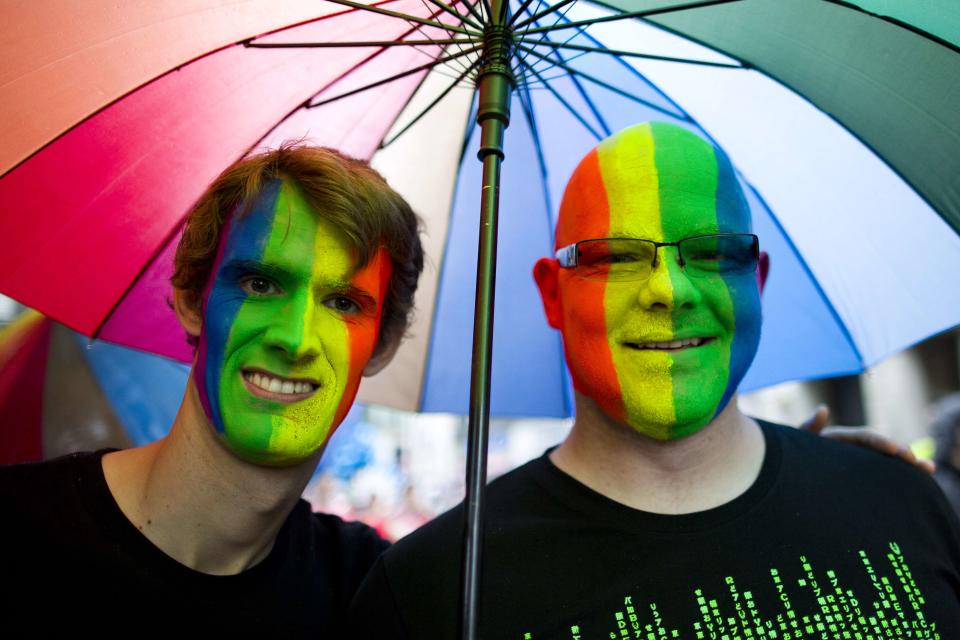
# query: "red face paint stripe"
[584,212]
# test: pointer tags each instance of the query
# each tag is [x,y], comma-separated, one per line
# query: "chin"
[662,430]
[268,457]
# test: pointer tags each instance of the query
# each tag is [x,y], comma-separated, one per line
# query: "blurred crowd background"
[396,470]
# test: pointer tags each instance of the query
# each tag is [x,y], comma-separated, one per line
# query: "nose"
[290,330]
[668,286]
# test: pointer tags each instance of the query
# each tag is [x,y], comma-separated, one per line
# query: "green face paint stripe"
[297,314]
[294,427]
[684,167]
[256,432]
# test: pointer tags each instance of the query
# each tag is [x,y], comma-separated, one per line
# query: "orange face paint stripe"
[585,214]
[375,275]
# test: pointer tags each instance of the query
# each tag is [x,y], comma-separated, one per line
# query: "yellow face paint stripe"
[637,197]
[304,437]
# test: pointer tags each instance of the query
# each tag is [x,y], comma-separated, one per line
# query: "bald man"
[666,512]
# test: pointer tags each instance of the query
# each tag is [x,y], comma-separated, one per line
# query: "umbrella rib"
[471,10]
[528,111]
[541,14]
[359,43]
[586,97]
[167,238]
[459,48]
[900,23]
[387,142]
[562,16]
[403,16]
[605,85]
[446,27]
[632,54]
[449,9]
[633,71]
[564,102]
[526,105]
[413,27]
[340,77]
[630,14]
[486,5]
[523,8]
[397,76]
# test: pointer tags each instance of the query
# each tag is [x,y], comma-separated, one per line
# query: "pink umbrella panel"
[87,239]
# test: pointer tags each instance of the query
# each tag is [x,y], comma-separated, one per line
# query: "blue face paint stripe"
[733,216]
[246,239]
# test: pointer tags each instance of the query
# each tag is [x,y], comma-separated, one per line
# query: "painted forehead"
[656,181]
[278,231]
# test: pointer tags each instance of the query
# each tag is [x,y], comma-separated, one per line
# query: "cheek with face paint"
[288,330]
[588,355]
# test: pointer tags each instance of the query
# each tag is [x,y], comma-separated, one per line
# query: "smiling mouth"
[669,345]
[277,388]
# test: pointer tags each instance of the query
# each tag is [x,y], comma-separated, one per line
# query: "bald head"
[655,171]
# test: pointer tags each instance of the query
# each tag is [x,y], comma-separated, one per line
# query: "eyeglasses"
[625,259]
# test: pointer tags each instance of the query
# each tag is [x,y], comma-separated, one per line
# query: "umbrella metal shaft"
[495,85]
[479,424]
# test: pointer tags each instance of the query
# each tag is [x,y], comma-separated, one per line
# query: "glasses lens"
[724,254]
[614,259]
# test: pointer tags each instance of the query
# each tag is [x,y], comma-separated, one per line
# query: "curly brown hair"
[344,190]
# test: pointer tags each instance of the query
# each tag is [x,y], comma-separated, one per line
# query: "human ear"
[383,355]
[763,270]
[547,274]
[187,307]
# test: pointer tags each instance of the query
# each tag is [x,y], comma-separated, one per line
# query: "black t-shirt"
[68,553]
[830,541]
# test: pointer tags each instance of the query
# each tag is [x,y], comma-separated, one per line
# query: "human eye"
[622,257]
[721,254]
[605,253]
[257,285]
[706,255]
[343,304]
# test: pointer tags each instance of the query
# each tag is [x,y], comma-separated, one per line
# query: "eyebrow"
[271,269]
[280,272]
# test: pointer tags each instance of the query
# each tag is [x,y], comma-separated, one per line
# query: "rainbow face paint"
[663,183]
[287,328]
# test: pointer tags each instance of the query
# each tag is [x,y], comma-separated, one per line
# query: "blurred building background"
[396,470]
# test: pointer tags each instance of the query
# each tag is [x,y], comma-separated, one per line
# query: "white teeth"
[673,344]
[275,385]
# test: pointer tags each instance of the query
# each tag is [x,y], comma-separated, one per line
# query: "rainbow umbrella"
[839,115]
[59,393]
[23,352]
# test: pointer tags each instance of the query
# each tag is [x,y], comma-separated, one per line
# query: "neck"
[197,501]
[704,470]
